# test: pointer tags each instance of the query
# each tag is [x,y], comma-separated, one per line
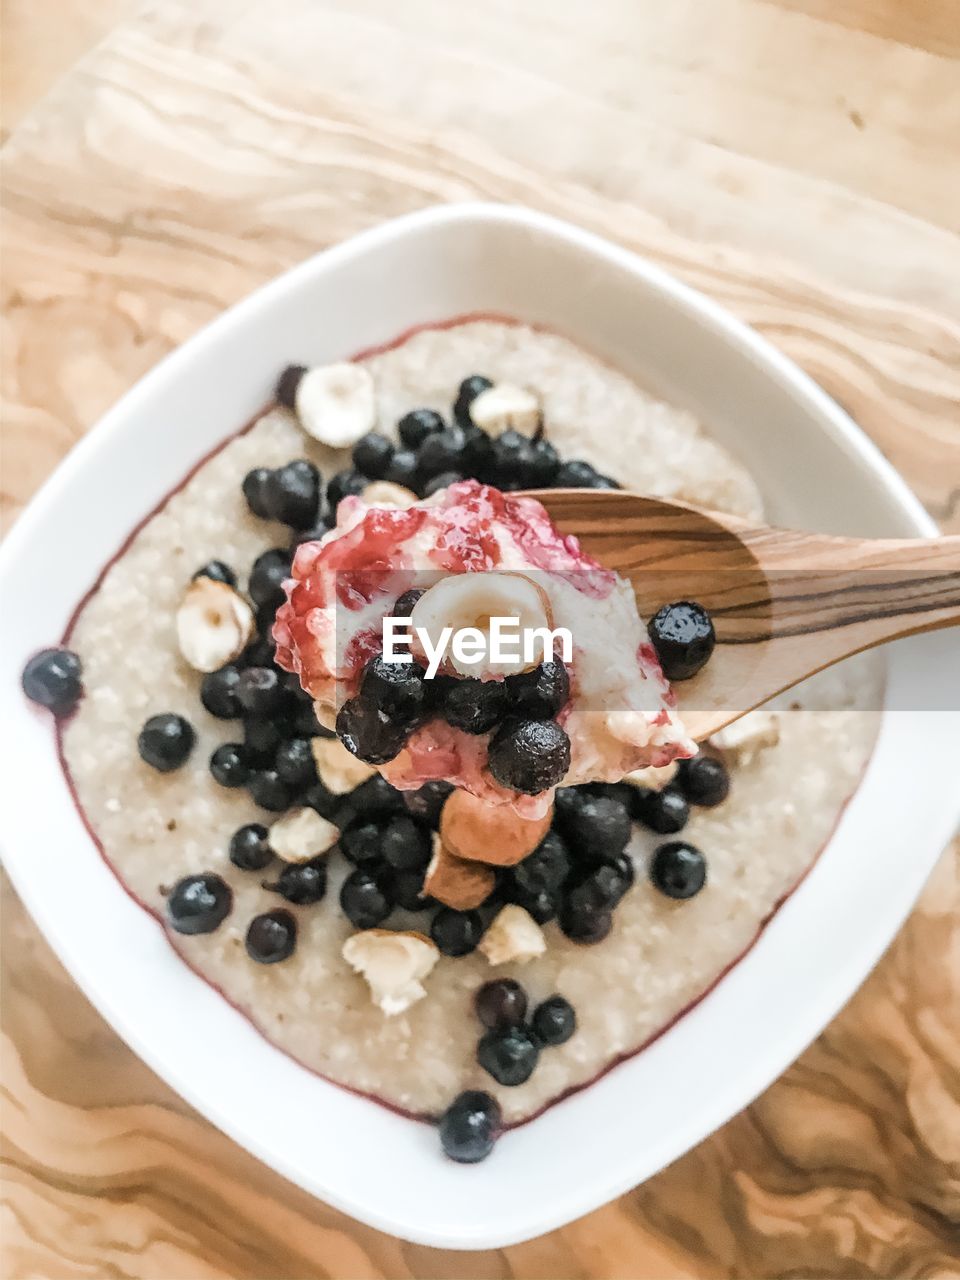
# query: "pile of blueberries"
[529,752]
[577,875]
[509,1051]
[433,453]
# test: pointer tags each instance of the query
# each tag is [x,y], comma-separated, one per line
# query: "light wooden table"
[796,159]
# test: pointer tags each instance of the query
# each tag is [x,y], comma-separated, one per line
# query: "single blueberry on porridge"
[461,886]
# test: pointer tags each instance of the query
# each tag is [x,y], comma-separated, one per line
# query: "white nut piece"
[326,715]
[745,737]
[384,493]
[335,403]
[472,600]
[505,407]
[214,624]
[301,834]
[337,768]
[513,935]
[393,965]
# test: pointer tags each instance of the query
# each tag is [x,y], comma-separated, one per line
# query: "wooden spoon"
[784,604]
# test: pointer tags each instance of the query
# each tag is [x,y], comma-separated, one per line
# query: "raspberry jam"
[376,552]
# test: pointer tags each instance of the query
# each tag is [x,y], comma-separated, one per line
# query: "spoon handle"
[812,601]
[864,591]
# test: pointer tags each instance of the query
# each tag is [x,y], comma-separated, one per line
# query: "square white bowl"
[816,469]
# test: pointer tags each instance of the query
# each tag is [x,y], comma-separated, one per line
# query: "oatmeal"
[284,946]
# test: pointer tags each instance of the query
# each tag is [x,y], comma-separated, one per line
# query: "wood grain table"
[796,159]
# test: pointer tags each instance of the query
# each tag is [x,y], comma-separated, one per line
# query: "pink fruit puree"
[621,713]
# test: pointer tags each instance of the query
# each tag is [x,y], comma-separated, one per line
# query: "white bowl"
[816,470]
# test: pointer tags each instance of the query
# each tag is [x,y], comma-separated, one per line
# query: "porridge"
[364,975]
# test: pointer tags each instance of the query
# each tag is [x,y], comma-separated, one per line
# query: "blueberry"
[255,486]
[287,384]
[165,741]
[367,733]
[396,689]
[260,652]
[602,888]
[554,1021]
[597,829]
[665,812]
[406,846]
[586,925]
[376,796]
[199,904]
[704,780]
[323,801]
[427,803]
[622,792]
[514,460]
[638,801]
[445,451]
[344,484]
[521,463]
[408,891]
[270,571]
[414,427]
[260,691]
[52,679]
[476,706]
[577,474]
[249,849]
[469,1127]
[509,1055]
[501,1003]
[218,693]
[625,872]
[269,791]
[541,693]
[229,765]
[362,842]
[313,534]
[541,905]
[272,937]
[529,756]
[568,800]
[218,572]
[302,883]
[456,933]
[443,481]
[403,605]
[467,392]
[678,869]
[364,899]
[372,455]
[478,458]
[545,869]
[261,738]
[684,638]
[294,763]
[306,723]
[541,468]
[293,494]
[403,469]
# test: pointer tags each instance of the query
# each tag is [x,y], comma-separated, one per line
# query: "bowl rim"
[744,343]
